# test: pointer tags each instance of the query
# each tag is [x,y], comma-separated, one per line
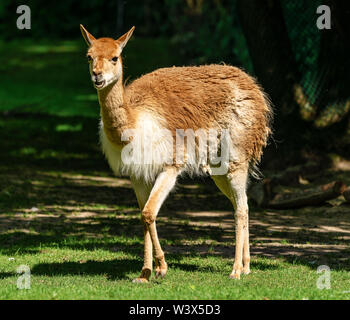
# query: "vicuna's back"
[211,96]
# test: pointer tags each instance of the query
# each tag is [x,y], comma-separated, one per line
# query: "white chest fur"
[145,157]
[152,148]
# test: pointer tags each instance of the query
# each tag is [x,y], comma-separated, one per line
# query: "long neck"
[113,110]
[111,97]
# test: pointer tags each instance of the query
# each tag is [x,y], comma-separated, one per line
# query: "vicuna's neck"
[112,96]
[113,110]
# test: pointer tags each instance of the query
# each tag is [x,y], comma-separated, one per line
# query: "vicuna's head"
[104,57]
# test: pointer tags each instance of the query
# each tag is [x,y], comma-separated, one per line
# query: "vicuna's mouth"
[99,84]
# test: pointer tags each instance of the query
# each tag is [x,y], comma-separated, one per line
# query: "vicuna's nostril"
[97,74]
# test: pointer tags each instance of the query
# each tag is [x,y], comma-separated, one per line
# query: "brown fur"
[204,97]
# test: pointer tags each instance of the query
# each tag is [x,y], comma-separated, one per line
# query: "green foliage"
[204,32]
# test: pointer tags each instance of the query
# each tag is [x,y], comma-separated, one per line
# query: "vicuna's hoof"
[161,270]
[145,275]
[246,271]
[140,280]
[236,274]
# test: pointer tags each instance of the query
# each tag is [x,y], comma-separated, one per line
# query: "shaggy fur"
[219,97]
[206,97]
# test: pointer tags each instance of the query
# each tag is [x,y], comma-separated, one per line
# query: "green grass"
[64,215]
[83,270]
[53,77]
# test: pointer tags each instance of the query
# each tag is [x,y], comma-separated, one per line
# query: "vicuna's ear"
[123,40]
[89,38]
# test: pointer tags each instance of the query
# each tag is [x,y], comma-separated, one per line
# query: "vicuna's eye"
[89,58]
[115,59]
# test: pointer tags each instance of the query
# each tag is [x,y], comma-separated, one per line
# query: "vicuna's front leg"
[163,185]
[142,191]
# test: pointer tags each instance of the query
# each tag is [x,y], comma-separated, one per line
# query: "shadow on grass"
[114,269]
[119,269]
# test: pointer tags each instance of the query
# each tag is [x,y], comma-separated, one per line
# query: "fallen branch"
[318,197]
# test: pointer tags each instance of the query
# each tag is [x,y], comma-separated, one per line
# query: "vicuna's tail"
[266,134]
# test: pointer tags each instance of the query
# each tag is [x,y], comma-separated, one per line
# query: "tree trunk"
[270,50]
[274,65]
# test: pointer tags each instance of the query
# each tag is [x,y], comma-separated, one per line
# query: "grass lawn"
[63,214]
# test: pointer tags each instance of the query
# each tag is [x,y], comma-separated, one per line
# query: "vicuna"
[212,97]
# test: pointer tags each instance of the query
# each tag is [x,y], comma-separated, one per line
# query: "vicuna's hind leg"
[163,185]
[233,186]
[142,191]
